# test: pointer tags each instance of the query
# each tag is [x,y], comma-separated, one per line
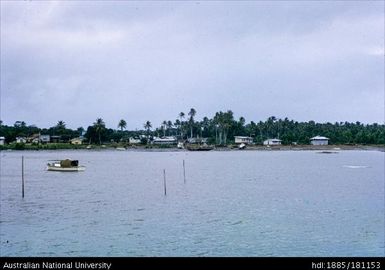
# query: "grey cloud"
[76,61]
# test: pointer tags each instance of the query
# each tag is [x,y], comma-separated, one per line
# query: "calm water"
[238,203]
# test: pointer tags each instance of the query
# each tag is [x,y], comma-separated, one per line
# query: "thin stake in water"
[164,182]
[184,173]
[22,176]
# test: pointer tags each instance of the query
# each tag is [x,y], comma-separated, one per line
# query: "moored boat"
[197,147]
[242,146]
[65,165]
[180,145]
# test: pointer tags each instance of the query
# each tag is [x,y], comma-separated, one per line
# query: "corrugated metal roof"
[319,138]
[272,140]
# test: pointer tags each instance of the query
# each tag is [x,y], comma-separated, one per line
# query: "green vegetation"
[219,130]
[35,146]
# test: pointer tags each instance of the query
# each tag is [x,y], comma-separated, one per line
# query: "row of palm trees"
[223,126]
[222,120]
[99,125]
[168,125]
[218,129]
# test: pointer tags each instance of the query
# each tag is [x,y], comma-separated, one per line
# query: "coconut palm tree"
[20,124]
[205,124]
[147,126]
[177,124]
[61,125]
[163,127]
[181,116]
[169,126]
[242,121]
[270,125]
[191,120]
[99,126]
[122,124]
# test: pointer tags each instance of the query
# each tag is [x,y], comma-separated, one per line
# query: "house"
[243,139]
[319,140]
[165,140]
[55,139]
[21,139]
[2,140]
[197,140]
[33,138]
[76,140]
[45,138]
[133,140]
[272,142]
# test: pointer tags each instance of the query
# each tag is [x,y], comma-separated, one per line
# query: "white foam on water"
[355,166]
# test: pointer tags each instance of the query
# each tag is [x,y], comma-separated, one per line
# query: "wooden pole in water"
[184,173]
[164,182]
[22,176]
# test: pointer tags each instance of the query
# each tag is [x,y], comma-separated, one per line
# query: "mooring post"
[22,176]
[184,173]
[164,182]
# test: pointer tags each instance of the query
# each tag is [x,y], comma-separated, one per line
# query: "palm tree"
[191,120]
[177,124]
[148,127]
[99,126]
[169,126]
[181,116]
[122,124]
[163,127]
[224,122]
[205,124]
[241,126]
[242,121]
[20,124]
[228,120]
[270,123]
[61,125]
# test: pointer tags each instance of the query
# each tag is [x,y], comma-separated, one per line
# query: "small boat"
[199,147]
[65,165]
[180,145]
[242,146]
[121,148]
[327,152]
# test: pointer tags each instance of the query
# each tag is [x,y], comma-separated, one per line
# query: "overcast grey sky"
[76,61]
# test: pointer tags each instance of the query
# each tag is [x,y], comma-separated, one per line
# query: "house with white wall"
[319,140]
[272,142]
[243,139]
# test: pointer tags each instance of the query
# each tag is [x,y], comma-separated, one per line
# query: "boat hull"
[199,148]
[68,169]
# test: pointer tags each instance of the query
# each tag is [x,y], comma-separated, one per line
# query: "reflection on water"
[237,203]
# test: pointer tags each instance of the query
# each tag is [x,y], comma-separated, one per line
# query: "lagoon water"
[234,203]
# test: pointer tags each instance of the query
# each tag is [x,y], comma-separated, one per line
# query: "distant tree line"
[220,129]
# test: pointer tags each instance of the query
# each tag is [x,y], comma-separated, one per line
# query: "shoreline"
[326,148]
